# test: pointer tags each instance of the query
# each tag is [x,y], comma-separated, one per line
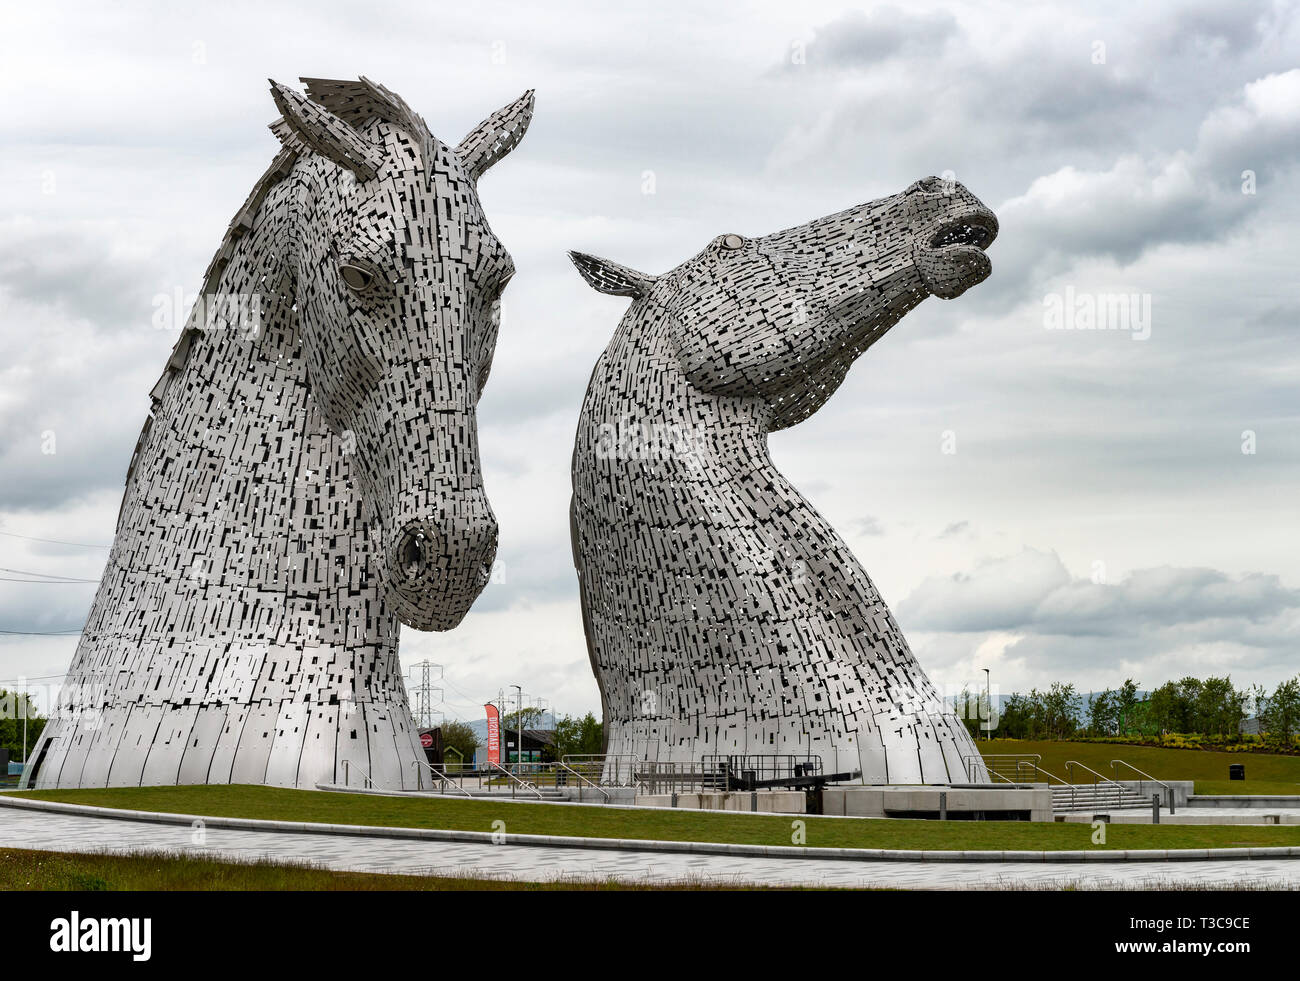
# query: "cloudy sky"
[1082,505]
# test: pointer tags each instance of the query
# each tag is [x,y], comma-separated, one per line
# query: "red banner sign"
[493,733]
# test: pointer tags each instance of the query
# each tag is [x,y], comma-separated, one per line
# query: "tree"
[13,706]
[1126,703]
[460,737]
[1189,698]
[1283,719]
[1060,708]
[1014,720]
[1164,707]
[1103,713]
[968,711]
[1259,702]
[1218,707]
[531,715]
[584,736]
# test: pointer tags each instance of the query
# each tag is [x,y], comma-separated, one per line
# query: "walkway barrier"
[1169,791]
[347,775]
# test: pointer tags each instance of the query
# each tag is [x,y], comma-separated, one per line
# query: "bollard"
[943,806]
[674,799]
[753,800]
[1155,808]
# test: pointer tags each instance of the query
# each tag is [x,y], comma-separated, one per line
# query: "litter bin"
[1236,771]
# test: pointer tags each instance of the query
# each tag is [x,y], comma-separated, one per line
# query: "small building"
[539,747]
[431,743]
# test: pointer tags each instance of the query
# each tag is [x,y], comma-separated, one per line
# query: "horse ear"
[609,277]
[496,136]
[304,124]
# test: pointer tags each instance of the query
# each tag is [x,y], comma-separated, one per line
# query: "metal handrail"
[347,775]
[1038,769]
[1050,777]
[1169,791]
[622,762]
[442,777]
[527,786]
[1119,787]
[992,761]
[597,787]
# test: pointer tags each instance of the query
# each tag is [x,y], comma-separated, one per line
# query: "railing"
[1034,769]
[1096,778]
[443,779]
[516,782]
[568,769]
[347,774]
[996,765]
[661,777]
[750,768]
[1169,791]
[608,769]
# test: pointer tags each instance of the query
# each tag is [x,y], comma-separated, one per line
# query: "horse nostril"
[411,553]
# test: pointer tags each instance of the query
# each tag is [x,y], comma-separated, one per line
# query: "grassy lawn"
[609,822]
[1265,773]
[21,869]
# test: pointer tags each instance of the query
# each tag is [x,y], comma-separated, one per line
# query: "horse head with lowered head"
[399,280]
[308,479]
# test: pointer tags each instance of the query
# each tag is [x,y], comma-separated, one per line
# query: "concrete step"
[1091,796]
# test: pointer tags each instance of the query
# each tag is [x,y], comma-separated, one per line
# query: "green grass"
[21,869]
[665,824]
[1234,787]
[1265,773]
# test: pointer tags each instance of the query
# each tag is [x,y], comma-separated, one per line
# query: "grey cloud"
[859,38]
[1032,592]
[1211,29]
[73,267]
[869,526]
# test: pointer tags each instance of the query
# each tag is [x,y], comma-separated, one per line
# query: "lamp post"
[519,724]
[988,703]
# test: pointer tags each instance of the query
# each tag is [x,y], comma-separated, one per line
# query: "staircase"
[1101,794]
[1096,797]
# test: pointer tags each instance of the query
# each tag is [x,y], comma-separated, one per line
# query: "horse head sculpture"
[781,317]
[724,616]
[399,280]
[308,479]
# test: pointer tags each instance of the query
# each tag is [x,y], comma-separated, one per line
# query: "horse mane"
[356,103]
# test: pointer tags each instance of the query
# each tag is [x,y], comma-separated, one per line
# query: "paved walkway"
[61,832]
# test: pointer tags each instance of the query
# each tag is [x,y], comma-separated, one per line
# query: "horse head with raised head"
[723,615]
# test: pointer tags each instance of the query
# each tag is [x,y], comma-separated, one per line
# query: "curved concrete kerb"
[633,844]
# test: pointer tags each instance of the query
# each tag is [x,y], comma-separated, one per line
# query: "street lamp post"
[23,682]
[519,724]
[988,707]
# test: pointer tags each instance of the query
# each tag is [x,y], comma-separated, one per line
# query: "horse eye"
[733,242]
[356,278]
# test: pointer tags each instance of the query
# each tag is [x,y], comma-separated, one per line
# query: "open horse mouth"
[972,230]
[952,258]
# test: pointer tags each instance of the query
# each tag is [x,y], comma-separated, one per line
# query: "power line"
[50,582]
[40,633]
[51,541]
[45,576]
